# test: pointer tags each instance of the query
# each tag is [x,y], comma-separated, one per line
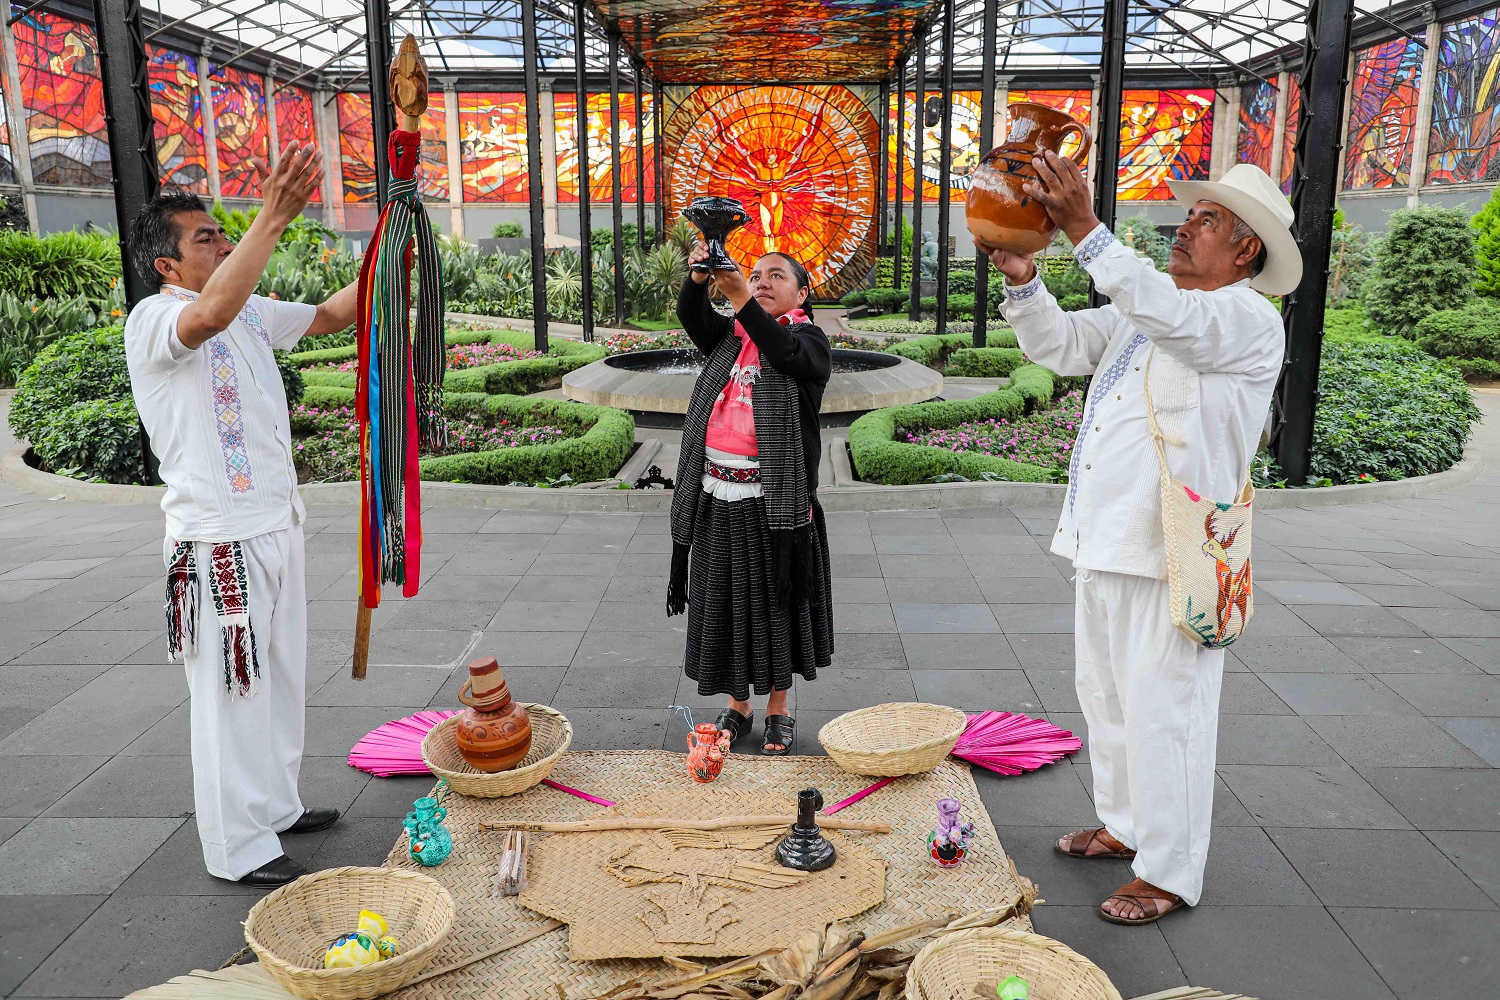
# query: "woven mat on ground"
[915,888]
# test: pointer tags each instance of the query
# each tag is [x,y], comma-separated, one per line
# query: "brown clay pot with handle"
[998,212]
[494,733]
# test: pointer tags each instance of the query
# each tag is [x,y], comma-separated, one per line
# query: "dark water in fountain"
[690,362]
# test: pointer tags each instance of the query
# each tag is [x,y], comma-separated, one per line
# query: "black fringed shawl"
[781,435]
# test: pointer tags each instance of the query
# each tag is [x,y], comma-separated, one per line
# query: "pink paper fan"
[396,747]
[1012,743]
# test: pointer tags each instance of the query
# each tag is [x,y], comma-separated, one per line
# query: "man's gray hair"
[1243,231]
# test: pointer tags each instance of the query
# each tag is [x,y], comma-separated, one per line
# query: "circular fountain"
[658,384]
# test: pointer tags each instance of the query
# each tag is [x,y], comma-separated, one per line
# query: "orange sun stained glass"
[801,159]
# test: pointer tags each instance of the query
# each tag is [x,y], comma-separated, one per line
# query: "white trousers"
[1151,699]
[247,751]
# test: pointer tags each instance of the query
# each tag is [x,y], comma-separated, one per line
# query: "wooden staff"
[408,89]
[646,823]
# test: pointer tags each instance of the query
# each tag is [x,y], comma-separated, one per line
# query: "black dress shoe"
[274,873]
[312,820]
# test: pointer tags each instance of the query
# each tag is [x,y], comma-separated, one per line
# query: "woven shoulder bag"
[1207,551]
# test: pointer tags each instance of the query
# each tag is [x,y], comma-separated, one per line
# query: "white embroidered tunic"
[1217,357]
[217,416]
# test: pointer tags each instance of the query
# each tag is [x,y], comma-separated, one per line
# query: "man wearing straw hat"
[1213,346]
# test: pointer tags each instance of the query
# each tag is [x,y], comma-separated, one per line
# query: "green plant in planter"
[29,325]
[1425,263]
[58,266]
[74,405]
[508,231]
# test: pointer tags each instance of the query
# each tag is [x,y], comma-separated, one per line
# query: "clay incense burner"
[716,218]
[494,733]
[998,212]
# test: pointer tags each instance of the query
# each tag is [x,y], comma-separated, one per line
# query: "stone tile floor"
[1356,849]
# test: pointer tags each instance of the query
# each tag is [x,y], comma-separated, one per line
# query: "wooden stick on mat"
[649,823]
[505,945]
[361,641]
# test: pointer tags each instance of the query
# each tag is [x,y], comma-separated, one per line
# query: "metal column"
[986,142]
[379,55]
[581,134]
[899,217]
[1107,113]
[640,154]
[530,57]
[919,125]
[945,170]
[1323,81]
[882,167]
[617,220]
[658,120]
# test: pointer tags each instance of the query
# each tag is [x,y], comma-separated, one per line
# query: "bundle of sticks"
[837,963]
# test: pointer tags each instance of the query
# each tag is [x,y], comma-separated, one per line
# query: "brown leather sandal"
[1080,842]
[1138,892]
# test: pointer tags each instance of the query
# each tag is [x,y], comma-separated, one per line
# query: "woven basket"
[292,927]
[950,967]
[905,737]
[551,732]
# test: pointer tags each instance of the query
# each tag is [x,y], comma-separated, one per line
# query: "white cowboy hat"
[1247,192]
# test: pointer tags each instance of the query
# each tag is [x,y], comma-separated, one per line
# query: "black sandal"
[734,723]
[780,729]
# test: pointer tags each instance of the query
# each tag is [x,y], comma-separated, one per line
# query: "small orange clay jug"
[707,746]
[494,733]
[999,213]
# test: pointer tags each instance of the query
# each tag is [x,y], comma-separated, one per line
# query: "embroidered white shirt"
[217,416]
[1217,357]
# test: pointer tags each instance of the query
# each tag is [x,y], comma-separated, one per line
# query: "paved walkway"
[1356,849]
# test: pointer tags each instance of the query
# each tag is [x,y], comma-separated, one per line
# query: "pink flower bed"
[467,356]
[1044,438]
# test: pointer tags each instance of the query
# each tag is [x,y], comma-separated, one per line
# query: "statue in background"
[929,256]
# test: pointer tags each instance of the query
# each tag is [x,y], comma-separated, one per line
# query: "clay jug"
[494,733]
[707,746]
[998,212]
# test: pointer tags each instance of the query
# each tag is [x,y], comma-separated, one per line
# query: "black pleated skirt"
[737,638]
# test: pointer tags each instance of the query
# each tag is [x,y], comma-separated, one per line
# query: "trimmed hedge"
[335,355]
[985,362]
[605,438]
[520,378]
[879,458]
[933,350]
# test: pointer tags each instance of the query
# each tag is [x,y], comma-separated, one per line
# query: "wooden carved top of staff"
[396,385]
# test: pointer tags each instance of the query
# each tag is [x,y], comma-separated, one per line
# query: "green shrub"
[879,458]
[961,283]
[74,405]
[1470,332]
[1069,279]
[1352,259]
[28,325]
[58,266]
[984,362]
[1476,368]
[507,231]
[1073,302]
[1139,232]
[1425,263]
[887,299]
[1389,411]
[291,377]
[935,352]
[459,264]
[854,299]
[303,272]
[604,439]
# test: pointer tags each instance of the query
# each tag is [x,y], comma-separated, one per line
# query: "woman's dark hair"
[800,273]
[155,233]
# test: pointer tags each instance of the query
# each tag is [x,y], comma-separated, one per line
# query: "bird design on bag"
[1234,585]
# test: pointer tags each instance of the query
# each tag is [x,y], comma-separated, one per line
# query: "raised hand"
[289,184]
[1063,191]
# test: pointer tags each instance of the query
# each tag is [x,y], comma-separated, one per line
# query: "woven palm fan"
[238,982]
[399,394]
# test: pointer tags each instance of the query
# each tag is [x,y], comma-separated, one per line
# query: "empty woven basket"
[292,928]
[950,967]
[551,732]
[906,737]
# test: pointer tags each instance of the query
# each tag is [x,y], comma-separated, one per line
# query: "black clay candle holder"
[716,218]
[805,848]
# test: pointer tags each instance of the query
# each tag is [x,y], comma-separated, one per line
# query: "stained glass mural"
[1257,125]
[296,121]
[7,165]
[177,108]
[1382,115]
[356,147]
[600,181]
[1465,95]
[239,100]
[965,141]
[492,140]
[1164,135]
[64,100]
[1289,139]
[432,168]
[802,159]
[1077,103]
